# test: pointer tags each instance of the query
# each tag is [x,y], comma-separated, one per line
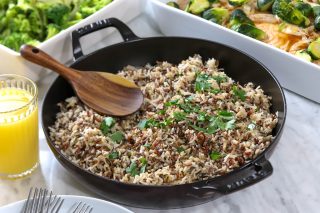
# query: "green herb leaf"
[113,155]
[189,99]
[171,103]
[162,112]
[215,155]
[180,149]
[201,83]
[144,164]
[179,116]
[117,136]
[230,124]
[220,79]
[215,91]
[147,145]
[227,115]
[241,94]
[143,169]
[132,169]
[106,125]
[143,124]
[143,160]
[202,117]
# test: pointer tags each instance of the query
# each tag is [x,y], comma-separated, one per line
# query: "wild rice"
[196,123]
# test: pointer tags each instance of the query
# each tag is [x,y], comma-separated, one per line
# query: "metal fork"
[39,202]
[81,207]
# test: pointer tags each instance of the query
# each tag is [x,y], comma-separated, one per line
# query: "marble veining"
[294,186]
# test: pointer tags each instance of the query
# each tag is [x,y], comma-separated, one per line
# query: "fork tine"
[43,199]
[59,206]
[90,210]
[48,202]
[35,195]
[86,209]
[38,198]
[75,210]
[26,204]
[57,203]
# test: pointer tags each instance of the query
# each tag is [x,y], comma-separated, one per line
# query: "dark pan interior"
[138,53]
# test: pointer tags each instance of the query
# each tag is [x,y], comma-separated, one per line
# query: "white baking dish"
[295,74]
[60,47]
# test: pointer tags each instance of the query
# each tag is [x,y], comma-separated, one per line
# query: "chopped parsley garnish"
[239,93]
[144,164]
[148,146]
[179,116]
[224,120]
[202,83]
[215,155]
[180,149]
[117,136]
[143,124]
[220,79]
[132,169]
[171,103]
[162,111]
[106,125]
[113,155]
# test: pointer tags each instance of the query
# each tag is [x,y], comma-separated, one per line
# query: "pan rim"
[276,137]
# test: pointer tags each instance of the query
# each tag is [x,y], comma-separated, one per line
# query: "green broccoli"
[88,7]
[15,40]
[287,12]
[52,30]
[57,13]
[33,21]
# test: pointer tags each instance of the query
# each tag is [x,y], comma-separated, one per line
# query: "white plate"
[69,200]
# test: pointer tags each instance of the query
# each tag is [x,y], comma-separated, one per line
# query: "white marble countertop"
[294,186]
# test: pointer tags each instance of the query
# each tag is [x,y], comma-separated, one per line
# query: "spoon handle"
[41,58]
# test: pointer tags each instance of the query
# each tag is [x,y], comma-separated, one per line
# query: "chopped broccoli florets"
[33,21]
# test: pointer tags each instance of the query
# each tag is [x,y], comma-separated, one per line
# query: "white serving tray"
[60,47]
[293,73]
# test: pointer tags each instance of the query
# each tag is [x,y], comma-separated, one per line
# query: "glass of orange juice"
[19,151]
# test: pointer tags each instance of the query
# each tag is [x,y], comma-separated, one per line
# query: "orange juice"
[19,152]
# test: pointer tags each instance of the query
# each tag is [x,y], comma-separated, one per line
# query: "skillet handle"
[124,30]
[235,181]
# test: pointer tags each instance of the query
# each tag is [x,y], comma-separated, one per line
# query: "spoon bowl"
[104,92]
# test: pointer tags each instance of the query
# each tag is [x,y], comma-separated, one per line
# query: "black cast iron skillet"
[138,52]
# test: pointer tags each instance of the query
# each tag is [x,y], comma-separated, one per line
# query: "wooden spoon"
[104,92]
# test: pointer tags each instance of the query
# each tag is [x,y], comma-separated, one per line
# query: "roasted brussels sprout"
[250,30]
[173,4]
[236,2]
[317,23]
[239,17]
[264,5]
[303,7]
[314,49]
[304,55]
[217,15]
[287,12]
[197,6]
[316,10]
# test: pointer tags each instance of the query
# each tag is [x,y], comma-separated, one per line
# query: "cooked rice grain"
[175,153]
